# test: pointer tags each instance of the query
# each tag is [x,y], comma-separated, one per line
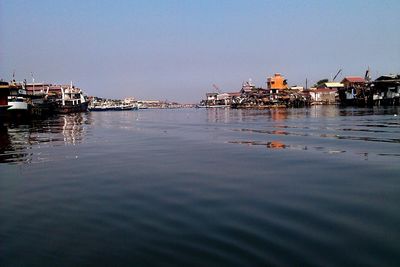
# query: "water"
[196,187]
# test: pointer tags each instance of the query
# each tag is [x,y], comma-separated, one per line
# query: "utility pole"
[33,82]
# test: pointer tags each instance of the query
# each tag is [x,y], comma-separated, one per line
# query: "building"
[236,94]
[220,99]
[353,89]
[386,90]
[36,88]
[353,82]
[276,84]
[248,87]
[297,88]
[331,85]
[323,96]
[129,100]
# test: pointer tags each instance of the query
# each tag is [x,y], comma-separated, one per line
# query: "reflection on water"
[18,140]
[326,129]
[226,115]
[72,128]
[330,130]
[272,144]
[279,114]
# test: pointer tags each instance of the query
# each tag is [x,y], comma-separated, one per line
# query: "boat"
[141,105]
[17,104]
[98,108]
[129,107]
[68,99]
[213,106]
[17,101]
[105,107]
[22,103]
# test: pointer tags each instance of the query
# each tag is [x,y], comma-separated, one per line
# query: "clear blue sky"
[176,49]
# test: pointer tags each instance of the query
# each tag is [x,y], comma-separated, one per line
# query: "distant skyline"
[177,49]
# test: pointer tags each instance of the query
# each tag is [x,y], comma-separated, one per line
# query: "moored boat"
[68,98]
[17,101]
[123,107]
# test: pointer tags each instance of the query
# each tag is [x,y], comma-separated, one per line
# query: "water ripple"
[202,188]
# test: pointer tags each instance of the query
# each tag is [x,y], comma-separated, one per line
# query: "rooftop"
[334,85]
[354,79]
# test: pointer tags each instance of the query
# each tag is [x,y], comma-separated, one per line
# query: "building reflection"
[220,115]
[19,141]
[276,145]
[324,111]
[279,114]
[227,115]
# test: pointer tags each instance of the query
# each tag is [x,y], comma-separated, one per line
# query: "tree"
[321,82]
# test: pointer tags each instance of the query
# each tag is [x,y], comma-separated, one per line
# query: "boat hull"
[82,107]
[116,108]
[17,106]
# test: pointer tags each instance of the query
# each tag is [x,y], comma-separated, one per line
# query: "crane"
[367,75]
[336,75]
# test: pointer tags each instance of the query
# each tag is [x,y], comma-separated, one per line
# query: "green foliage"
[320,82]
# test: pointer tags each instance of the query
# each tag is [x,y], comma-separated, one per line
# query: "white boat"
[17,103]
[107,107]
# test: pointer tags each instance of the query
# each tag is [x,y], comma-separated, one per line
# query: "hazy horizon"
[176,50]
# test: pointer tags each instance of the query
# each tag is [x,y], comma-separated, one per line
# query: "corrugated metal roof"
[235,94]
[334,85]
[388,77]
[354,79]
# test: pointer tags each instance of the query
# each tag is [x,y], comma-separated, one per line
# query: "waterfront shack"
[353,91]
[385,90]
[323,96]
[327,93]
[250,96]
[277,94]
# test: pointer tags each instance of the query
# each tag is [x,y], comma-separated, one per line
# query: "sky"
[175,50]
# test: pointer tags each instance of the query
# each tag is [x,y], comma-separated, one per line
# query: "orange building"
[276,83]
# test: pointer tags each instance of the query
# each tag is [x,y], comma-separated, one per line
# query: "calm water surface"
[197,187]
